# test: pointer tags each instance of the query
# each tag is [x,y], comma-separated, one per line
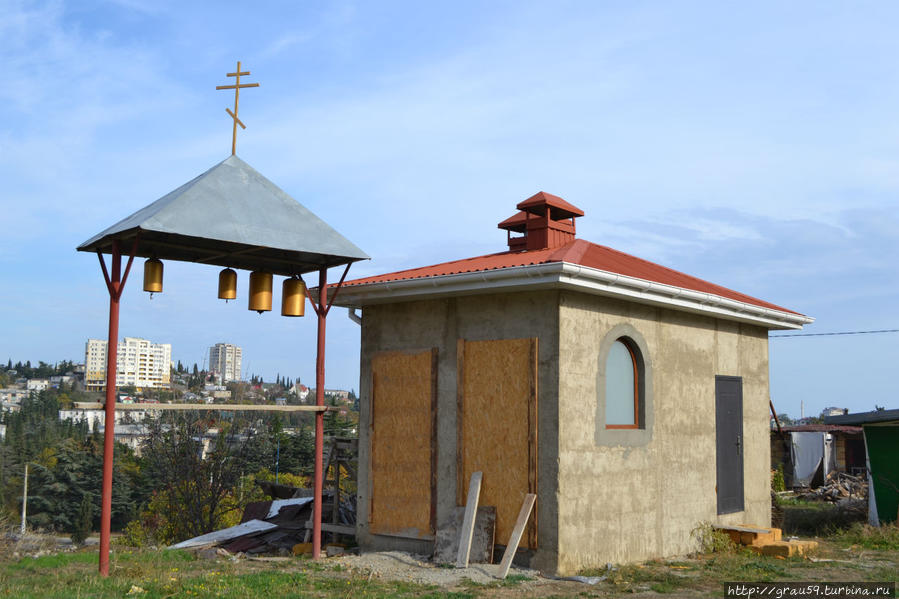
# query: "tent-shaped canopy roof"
[231,216]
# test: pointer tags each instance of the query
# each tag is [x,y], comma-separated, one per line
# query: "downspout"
[351,313]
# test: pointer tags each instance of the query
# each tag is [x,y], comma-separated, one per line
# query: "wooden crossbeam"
[222,407]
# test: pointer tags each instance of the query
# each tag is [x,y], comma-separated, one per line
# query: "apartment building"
[225,362]
[141,363]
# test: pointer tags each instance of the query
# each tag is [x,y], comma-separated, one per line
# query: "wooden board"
[517,532]
[220,407]
[403,451]
[497,426]
[471,511]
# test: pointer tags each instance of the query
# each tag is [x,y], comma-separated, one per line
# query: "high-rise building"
[225,362]
[141,363]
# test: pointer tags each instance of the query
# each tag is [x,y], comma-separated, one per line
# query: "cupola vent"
[545,221]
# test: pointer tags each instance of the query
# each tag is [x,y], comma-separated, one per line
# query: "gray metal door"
[729,443]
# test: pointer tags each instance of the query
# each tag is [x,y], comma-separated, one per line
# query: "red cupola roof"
[547,222]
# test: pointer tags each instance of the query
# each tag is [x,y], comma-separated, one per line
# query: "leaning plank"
[226,534]
[223,407]
[471,509]
[523,516]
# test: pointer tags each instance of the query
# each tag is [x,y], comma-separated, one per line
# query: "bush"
[711,539]
[777,479]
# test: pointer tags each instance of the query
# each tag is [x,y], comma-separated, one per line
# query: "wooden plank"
[460,419]
[532,438]
[433,448]
[471,508]
[515,537]
[83,405]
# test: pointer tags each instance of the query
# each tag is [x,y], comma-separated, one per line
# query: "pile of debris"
[284,524]
[279,526]
[837,487]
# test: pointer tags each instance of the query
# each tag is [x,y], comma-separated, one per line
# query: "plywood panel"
[404,394]
[497,426]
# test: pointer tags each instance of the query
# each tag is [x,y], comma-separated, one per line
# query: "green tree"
[85,522]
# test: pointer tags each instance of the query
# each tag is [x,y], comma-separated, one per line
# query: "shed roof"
[877,416]
[232,216]
[820,428]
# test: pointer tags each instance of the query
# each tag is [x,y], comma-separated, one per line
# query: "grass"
[859,553]
[885,538]
[801,517]
[164,574]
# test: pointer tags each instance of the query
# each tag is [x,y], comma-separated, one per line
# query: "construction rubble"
[838,486]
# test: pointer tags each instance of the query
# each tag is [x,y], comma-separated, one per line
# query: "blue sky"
[755,145]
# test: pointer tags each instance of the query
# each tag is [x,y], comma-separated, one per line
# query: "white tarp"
[226,534]
[807,453]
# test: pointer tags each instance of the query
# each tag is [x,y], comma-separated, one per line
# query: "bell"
[153,276]
[260,291]
[293,297]
[227,284]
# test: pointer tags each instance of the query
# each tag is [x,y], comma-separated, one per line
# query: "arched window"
[622,386]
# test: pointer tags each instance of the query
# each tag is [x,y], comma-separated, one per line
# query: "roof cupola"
[545,220]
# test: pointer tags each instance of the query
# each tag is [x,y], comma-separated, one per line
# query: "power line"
[831,334]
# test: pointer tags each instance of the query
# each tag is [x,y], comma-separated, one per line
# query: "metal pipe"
[25,499]
[773,413]
[319,416]
[112,348]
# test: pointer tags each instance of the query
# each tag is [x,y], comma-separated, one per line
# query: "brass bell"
[227,284]
[260,291]
[153,276]
[293,297]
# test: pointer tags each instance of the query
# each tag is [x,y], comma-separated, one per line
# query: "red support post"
[114,283]
[322,313]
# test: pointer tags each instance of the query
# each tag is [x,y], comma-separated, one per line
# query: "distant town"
[146,374]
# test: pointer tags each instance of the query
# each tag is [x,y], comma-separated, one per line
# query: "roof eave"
[564,275]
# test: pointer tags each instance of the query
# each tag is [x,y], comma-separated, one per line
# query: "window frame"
[627,343]
[641,435]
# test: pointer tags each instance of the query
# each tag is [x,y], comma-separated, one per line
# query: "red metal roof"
[578,252]
[516,222]
[560,208]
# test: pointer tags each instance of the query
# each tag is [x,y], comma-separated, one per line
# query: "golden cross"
[236,87]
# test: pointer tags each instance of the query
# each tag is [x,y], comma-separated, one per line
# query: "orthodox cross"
[236,87]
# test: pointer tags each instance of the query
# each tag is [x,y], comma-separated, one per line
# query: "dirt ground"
[694,576]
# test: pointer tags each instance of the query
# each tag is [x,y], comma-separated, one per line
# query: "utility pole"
[25,499]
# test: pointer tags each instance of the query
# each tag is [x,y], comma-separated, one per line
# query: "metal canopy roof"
[865,417]
[231,216]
